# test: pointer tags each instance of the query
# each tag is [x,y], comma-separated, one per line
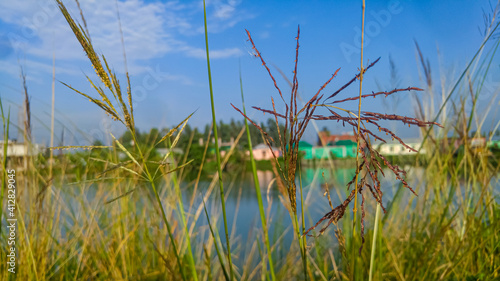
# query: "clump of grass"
[125,115]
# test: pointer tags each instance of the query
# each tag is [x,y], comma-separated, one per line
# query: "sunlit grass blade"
[172,131]
[67,147]
[129,155]
[95,180]
[374,243]
[5,125]
[121,196]
[300,231]
[216,245]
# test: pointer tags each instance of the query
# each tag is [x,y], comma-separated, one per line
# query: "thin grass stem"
[219,256]
[374,242]
[217,152]
[302,238]
[358,139]
[6,125]
[257,188]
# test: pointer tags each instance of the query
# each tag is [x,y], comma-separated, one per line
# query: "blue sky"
[164,44]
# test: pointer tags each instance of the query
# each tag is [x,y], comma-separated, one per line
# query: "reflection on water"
[242,200]
[266,178]
[339,176]
[242,205]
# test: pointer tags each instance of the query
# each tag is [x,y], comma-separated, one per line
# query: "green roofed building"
[339,149]
[306,149]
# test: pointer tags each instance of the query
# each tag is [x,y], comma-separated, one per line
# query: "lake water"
[242,199]
[242,205]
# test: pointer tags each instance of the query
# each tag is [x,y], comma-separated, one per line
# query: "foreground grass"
[69,231]
[136,219]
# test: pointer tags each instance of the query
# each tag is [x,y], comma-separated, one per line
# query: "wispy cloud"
[214,54]
[224,14]
[35,69]
[151,29]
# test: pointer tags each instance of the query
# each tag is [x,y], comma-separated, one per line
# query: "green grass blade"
[184,223]
[126,151]
[374,242]
[221,186]
[257,188]
[172,131]
[302,238]
[219,256]
[6,125]
[121,196]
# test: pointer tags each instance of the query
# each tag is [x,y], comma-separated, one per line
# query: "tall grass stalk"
[257,190]
[151,181]
[358,139]
[28,241]
[219,256]
[183,216]
[300,231]
[490,35]
[5,126]
[217,152]
[52,117]
[476,96]
[374,242]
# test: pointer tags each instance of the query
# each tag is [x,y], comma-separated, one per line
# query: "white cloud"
[35,69]
[150,29]
[225,11]
[226,14]
[214,54]
[40,29]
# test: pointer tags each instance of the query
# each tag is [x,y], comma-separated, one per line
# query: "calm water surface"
[242,205]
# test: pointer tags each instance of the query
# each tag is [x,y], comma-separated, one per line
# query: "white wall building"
[262,152]
[394,148]
[16,149]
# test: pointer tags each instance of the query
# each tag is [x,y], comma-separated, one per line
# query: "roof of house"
[343,142]
[304,144]
[261,146]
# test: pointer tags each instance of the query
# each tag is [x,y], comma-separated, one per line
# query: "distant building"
[493,144]
[326,139]
[164,151]
[478,142]
[339,149]
[395,148]
[306,149]
[344,146]
[17,149]
[262,152]
[224,147]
